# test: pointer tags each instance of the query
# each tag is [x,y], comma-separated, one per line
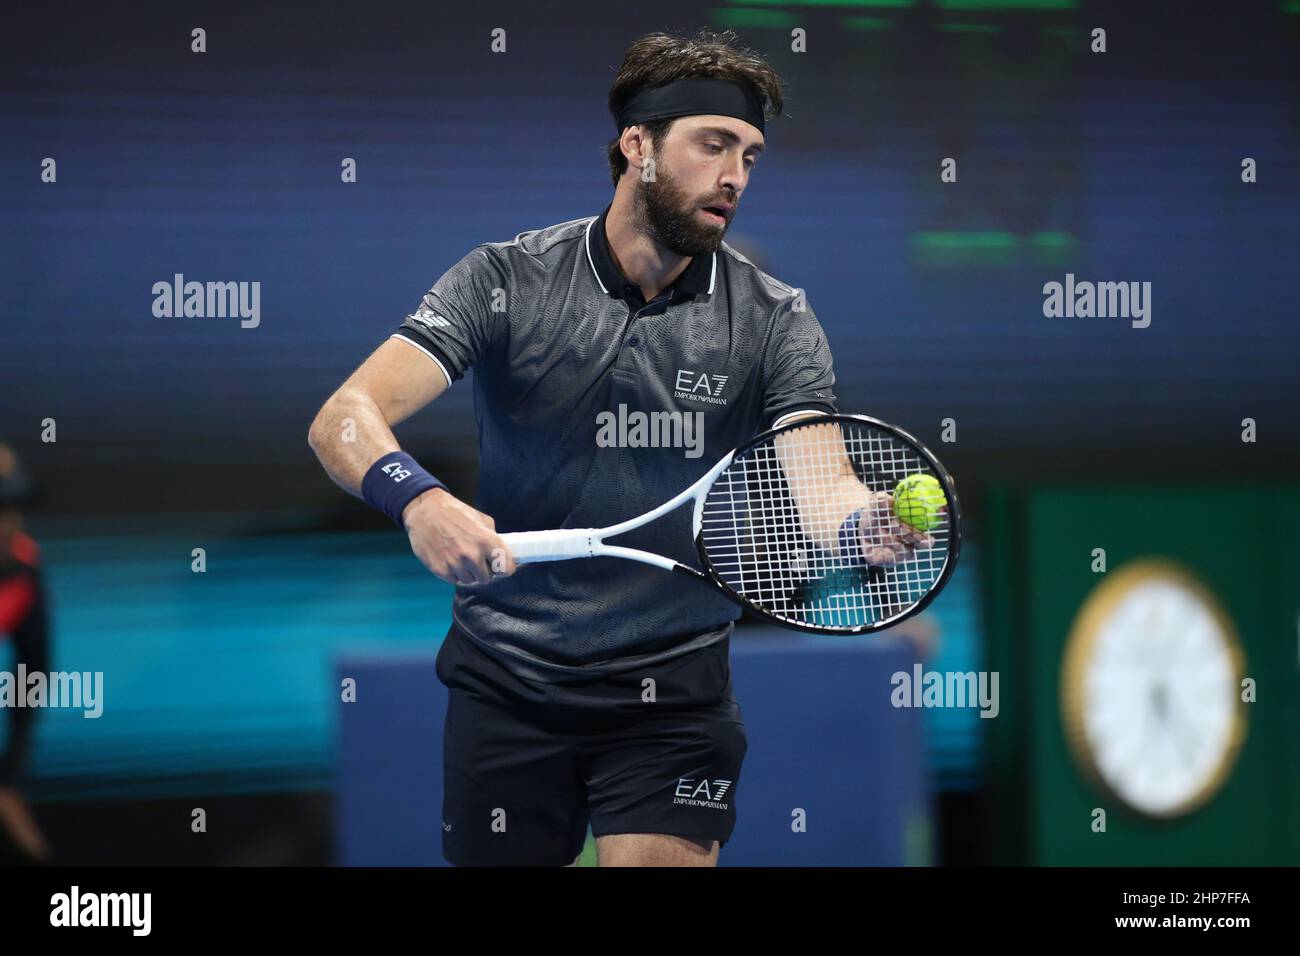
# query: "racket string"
[770,526]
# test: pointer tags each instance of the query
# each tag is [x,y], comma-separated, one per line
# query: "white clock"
[1150,689]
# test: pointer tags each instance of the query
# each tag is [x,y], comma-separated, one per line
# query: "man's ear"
[636,146]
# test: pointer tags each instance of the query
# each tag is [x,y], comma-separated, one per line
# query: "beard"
[670,219]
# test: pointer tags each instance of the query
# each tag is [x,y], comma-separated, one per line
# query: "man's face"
[701,169]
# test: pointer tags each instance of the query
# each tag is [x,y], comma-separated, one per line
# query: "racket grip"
[530,546]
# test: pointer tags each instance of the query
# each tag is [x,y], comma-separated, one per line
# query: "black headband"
[695,95]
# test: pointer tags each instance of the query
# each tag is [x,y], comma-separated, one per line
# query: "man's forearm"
[821,480]
[348,436]
[823,513]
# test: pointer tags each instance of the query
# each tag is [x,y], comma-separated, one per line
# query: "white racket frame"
[566,543]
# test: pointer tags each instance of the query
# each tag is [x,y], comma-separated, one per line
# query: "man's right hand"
[457,543]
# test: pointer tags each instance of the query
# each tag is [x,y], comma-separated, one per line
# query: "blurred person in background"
[23,621]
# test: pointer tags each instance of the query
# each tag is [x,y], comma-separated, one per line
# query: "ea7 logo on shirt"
[701,793]
[430,320]
[699,387]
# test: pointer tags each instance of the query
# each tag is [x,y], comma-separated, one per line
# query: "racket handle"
[530,546]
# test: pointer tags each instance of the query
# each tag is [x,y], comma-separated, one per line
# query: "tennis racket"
[800,526]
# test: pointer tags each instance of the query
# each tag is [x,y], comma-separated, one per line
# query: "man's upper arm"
[463,317]
[398,379]
[797,372]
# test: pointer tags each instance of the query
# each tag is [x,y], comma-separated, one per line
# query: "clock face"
[1151,689]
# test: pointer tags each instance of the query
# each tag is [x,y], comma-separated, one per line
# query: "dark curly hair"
[658,58]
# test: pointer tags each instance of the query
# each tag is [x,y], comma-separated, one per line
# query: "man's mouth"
[718,212]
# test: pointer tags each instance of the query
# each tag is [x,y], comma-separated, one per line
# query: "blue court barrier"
[835,775]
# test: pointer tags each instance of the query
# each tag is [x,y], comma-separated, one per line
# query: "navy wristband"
[850,544]
[393,482]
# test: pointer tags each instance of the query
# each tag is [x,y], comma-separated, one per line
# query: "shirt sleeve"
[462,318]
[797,373]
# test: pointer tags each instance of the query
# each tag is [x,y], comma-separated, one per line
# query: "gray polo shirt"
[570,365]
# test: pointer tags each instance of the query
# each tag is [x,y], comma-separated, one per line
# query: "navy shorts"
[527,765]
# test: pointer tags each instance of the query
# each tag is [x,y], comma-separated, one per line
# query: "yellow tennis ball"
[918,500]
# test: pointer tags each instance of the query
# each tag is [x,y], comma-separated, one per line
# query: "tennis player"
[595,691]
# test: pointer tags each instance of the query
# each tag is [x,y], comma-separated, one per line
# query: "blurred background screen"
[176,434]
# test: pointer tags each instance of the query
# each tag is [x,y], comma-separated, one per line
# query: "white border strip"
[713,268]
[796,414]
[587,243]
[417,345]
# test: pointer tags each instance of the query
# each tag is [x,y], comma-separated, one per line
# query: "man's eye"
[713,147]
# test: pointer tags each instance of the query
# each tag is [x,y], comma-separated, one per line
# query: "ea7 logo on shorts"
[430,320]
[699,387]
[702,793]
